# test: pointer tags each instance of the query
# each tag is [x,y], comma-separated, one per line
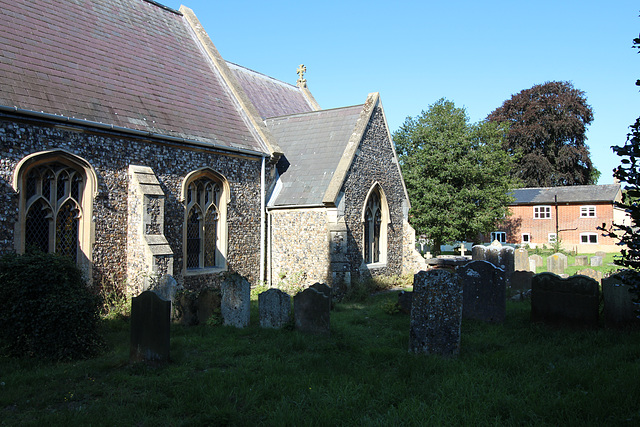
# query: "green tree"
[457,174]
[547,128]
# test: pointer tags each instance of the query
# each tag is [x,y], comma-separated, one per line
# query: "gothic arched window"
[375,218]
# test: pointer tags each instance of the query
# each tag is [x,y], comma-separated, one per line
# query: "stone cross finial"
[302,82]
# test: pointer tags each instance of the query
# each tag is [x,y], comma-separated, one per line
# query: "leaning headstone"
[236,296]
[404,301]
[521,281]
[209,303]
[555,264]
[311,311]
[619,308]
[521,259]
[150,328]
[436,313]
[274,306]
[484,291]
[589,272]
[581,260]
[537,259]
[596,261]
[573,301]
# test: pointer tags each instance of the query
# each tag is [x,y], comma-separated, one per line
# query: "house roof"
[314,144]
[570,194]
[271,97]
[132,64]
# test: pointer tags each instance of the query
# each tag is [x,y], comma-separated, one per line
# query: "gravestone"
[436,313]
[185,309]
[521,280]
[601,254]
[492,253]
[498,255]
[521,259]
[150,328]
[236,296]
[589,272]
[581,260]
[532,265]
[619,308]
[166,287]
[478,253]
[596,261]
[274,306]
[404,301]
[537,259]
[311,311]
[484,292]
[556,263]
[325,289]
[573,301]
[208,303]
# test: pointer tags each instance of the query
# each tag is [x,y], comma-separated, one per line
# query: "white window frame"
[500,236]
[552,237]
[526,238]
[542,212]
[588,211]
[588,238]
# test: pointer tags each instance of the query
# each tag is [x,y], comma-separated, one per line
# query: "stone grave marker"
[484,292]
[572,301]
[581,260]
[521,281]
[539,262]
[600,254]
[208,303]
[521,259]
[166,287]
[150,328]
[478,253]
[619,308]
[589,272]
[532,265]
[311,311]
[185,309]
[436,313]
[236,296]
[404,301]
[274,307]
[596,261]
[556,264]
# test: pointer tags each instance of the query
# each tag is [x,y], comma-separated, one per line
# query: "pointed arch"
[375,220]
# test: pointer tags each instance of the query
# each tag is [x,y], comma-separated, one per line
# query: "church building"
[130,145]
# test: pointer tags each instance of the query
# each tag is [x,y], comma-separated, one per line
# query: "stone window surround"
[542,212]
[225,198]
[386,220]
[85,224]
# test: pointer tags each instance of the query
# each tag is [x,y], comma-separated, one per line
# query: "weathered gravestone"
[404,301]
[166,287]
[556,263]
[596,261]
[573,301]
[581,260]
[150,328]
[601,254]
[208,304]
[521,281]
[274,306]
[539,262]
[484,292]
[325,289]
[236,296]
[496,254]
[436,313]
[619,308]
[589,272]
[311,311]
[521,260]
[185,309]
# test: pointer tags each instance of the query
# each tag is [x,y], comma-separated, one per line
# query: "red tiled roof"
[128,63]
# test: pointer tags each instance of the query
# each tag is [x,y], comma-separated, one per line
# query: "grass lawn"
[362,374]
[607,264]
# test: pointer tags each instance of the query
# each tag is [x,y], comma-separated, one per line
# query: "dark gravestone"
[436,313]
[484,291]
[186,311]
[150,328]
[323,288]
[521,281]
[236,300]
[404,301]
[619,308]
[311,310]
[274,306]
[572,301]
[208,304]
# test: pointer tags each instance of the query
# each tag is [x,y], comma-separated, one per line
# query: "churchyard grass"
[607,267]
[361,374]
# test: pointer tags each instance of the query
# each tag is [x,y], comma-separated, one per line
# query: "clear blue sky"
[476,54]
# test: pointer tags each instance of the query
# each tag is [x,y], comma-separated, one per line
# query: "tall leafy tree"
[547,129]
[457,174]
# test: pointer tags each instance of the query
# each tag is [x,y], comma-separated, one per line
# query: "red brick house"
[539,216]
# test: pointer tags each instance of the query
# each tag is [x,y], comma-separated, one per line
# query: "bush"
[46,309]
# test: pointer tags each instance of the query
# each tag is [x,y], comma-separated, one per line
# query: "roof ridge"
[160,5]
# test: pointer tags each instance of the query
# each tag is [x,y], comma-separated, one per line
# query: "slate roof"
[127,63]
[271,97]
[571,194]
[313,144]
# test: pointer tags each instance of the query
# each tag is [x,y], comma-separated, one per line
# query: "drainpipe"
[262,220]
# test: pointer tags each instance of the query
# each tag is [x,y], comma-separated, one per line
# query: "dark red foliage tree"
[547,133]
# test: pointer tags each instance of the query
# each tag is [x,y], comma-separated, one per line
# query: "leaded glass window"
[372,223]
[202,228]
